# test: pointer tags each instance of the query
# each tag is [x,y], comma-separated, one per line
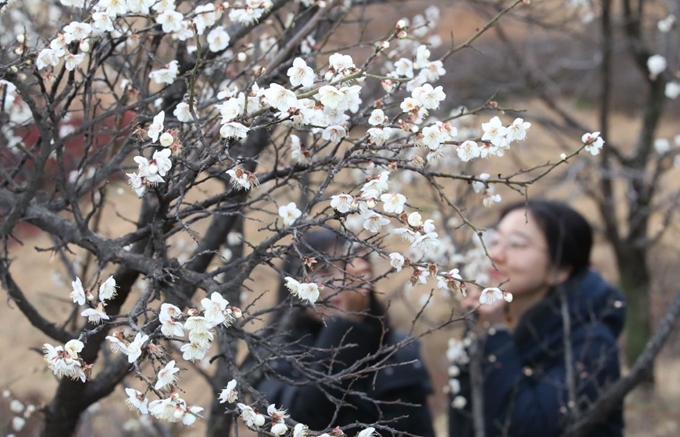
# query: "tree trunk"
[635,283]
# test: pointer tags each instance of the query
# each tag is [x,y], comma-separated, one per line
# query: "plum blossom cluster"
[96,312]
[491,295]
[22,413]
[495,140]
[277,425]
[200,324]
[65,361]
[150,172]
[171,409]
[458,357]
[308,291]
[488,192]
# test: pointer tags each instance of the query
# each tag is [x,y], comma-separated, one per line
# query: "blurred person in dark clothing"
[540,252]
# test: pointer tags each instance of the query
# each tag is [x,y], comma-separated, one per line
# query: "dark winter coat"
[389,381]
[525,376]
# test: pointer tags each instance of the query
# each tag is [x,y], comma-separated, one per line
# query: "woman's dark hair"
[325,246]
[568,234]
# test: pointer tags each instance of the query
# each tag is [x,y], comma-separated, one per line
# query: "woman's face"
[519,251]
[346,288]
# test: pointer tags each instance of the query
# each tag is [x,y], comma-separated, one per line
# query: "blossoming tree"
[242,116]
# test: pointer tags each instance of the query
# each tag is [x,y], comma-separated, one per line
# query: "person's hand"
[487,315]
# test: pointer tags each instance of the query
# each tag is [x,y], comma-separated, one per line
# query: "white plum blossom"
[404,68]
[422,56]
[489,198]
[95,315]
[183,112]
[229,393]
[397,261]
[78,294]
[107,290]
[156,126]
[48,56]
[662,146]
[426,243]
[76,31]
[169,312]
[379,136]
[218,39]
[71,61]
[64,360]
[166,75]
[250,417]
[205,17]
[368,432]
[289,213]
[672,90]
[332,98]
[279,428]
[377,118]
[450,280]
[140,6]
[216,311]
[428,97]
[494,132]
[409,104]
[166,376]
[137,183]
[308,291]
[114,7]
[340,62]
[666,24]
[393,202]
[300,430]
[468,150]
[170,21]
[101,22]
[134,349]
[517,131]
[376,186]
[593,142]
[300,74]
[299,155]
[342,203]
[374,221]
[334,134]
[193,351]
[136,400]
[656,64]
[234,130]
[490,295]
[241,179]
[415,219]
[280,98]
[431,71]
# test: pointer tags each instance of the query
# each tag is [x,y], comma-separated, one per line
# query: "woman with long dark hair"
[339,362]
[548,354]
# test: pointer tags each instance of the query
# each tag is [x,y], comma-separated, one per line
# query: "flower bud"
[401,35]
[84,46]
[166,139]
[401,25]
[153,168]
[236,312]
[259,420]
